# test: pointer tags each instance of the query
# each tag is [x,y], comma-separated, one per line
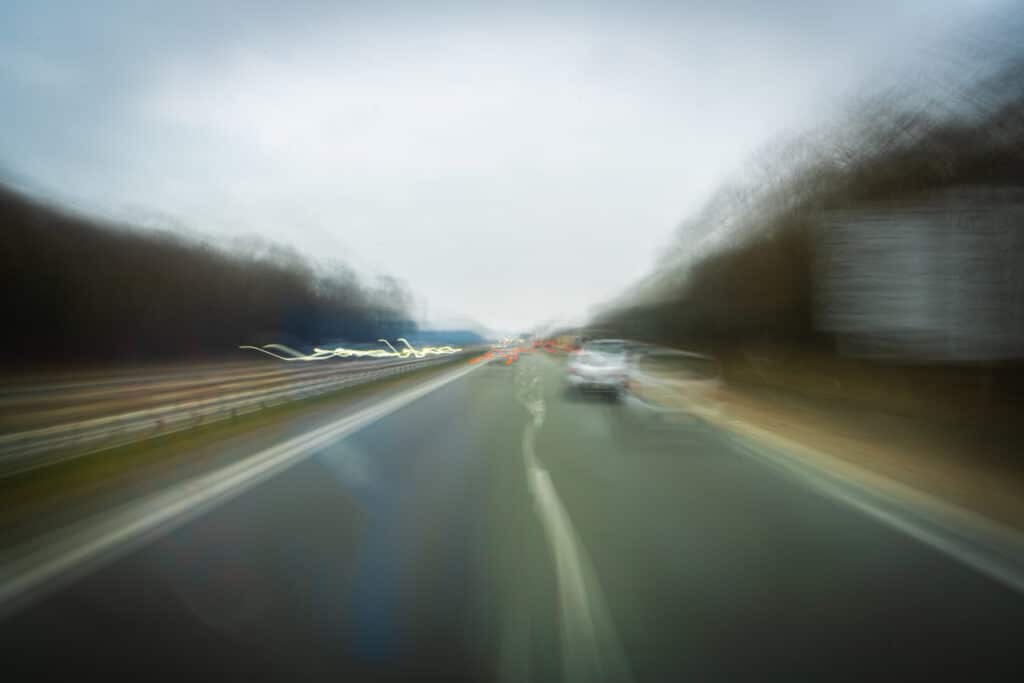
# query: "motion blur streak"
[323,354]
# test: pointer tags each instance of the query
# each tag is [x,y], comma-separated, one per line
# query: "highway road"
[500,528]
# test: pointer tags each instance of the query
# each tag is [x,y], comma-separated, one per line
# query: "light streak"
[288,354]
[385,341]
[510,354]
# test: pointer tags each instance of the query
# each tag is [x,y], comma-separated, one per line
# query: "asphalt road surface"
[503,529]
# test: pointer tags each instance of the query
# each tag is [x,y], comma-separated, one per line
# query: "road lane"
[417,548]
[716,567]
[361,560]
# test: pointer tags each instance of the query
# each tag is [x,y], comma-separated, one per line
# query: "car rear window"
[604,346]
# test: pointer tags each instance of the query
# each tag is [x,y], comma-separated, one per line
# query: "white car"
[601,365]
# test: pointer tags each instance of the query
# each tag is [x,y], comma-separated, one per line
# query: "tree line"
[758,285]
[752,298]
[79,290]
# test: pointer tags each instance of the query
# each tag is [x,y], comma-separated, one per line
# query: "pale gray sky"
[511,165]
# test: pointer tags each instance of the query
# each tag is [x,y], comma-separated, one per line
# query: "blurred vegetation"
[78,291]
[739,279]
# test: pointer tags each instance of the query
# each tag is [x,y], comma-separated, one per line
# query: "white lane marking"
[990,565]
[591,651]
[967,539]
[977,542]
[86,543]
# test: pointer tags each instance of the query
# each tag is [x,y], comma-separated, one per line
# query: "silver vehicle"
[601,365]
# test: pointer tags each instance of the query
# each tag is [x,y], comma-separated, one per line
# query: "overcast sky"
[511,165]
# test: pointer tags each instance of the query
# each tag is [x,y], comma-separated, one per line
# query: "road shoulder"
[857,468]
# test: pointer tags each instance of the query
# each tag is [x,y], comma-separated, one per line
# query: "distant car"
[600,365]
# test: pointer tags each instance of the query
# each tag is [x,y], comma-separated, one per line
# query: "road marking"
[591,651]
[969,539]
[72,551]
[982,544]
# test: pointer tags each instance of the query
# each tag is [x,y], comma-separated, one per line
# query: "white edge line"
[87,543]
[978,543]
[937,533]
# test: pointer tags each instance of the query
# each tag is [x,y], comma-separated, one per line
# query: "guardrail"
[35,448]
